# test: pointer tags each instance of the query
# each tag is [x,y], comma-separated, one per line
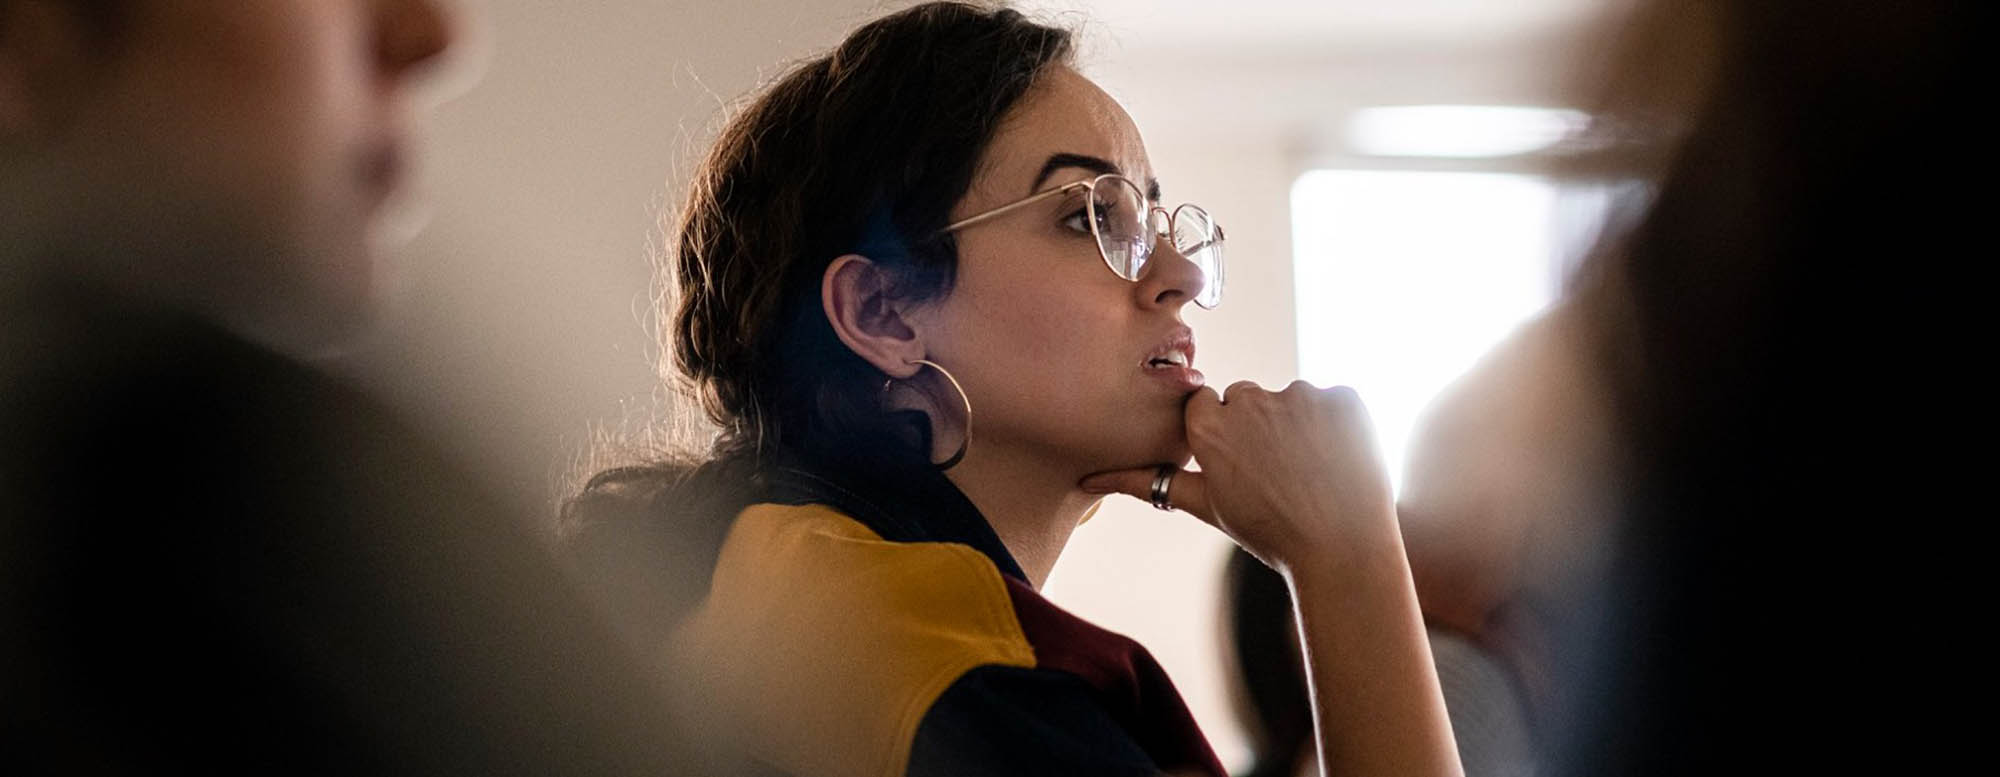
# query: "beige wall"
[528,292]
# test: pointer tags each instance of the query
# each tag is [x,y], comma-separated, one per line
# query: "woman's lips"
[1183,378]
[1173,361]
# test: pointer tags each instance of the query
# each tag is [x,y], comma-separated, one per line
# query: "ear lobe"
[857,296]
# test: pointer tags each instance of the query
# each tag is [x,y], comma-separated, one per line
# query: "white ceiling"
[1234,24]
[1262,69]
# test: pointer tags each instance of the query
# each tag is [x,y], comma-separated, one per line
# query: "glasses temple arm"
[1011,207]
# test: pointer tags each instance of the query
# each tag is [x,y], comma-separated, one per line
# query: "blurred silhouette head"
[233,157]
[1755,326]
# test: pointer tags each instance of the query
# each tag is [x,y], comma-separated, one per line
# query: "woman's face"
[266,134]
[1059,356]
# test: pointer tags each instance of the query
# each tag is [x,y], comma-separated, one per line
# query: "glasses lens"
[1199,238]
[1118,214]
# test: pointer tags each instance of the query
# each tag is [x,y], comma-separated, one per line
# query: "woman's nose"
[1170,280]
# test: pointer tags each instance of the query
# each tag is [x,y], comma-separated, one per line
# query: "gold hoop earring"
[966,441]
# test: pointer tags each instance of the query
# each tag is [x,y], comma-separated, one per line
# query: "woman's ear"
[857,295]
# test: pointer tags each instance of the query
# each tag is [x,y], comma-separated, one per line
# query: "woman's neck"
[1032,504]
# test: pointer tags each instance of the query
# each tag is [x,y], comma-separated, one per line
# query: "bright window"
[1405,278]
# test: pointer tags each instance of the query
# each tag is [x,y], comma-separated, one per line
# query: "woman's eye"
[1079,220]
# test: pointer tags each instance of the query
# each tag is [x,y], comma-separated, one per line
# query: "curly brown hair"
[865,149]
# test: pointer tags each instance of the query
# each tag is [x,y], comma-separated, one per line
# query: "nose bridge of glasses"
[1160,221]
[1166,224]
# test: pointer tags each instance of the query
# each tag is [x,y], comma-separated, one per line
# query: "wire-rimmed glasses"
[1126,226]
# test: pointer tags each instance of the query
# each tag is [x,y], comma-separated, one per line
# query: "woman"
[923,297]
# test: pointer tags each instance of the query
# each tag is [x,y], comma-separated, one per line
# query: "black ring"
[1163,482]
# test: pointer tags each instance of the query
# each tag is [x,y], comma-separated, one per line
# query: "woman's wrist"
[1348,560]
[1343,542]
[1374,682]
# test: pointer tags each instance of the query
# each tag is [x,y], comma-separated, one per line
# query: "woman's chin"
[1136,444]
[1152,453]
[1169,445]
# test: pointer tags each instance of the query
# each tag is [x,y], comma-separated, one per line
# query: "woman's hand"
[1292,475]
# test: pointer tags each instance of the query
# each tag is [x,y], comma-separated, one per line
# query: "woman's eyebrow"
[1098,165]
[1058,161]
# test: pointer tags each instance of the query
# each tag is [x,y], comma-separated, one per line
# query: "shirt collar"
[900,499]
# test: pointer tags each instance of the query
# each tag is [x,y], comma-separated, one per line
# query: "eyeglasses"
[1127,226]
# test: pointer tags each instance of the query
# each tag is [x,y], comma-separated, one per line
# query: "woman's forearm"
[1378,707]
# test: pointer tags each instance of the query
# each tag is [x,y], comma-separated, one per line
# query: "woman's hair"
[865,149]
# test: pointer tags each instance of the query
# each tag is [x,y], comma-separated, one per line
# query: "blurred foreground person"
[1508,506]
[1782,337]
[1762,367]
[211,556]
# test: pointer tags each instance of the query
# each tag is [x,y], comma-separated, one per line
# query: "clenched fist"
[1291,475]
